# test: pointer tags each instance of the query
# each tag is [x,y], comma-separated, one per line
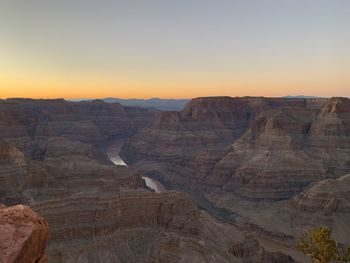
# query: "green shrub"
[318,244]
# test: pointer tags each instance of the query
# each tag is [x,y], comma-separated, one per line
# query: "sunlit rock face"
[23,235]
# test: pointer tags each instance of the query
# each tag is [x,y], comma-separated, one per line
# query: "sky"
[174,48]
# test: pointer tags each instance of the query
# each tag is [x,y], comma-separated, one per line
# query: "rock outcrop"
[325,203]
[328,196]
[23,235]
[250,251]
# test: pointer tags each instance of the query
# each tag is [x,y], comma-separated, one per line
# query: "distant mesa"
[171,104]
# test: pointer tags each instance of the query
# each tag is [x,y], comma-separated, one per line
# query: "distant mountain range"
[166,104]
[301,97]
[161,104]
[154,103]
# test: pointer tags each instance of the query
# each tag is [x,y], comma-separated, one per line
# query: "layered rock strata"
[328,196]
[29,123]
[251,251]
[255,148]
[258,157]
[98,212]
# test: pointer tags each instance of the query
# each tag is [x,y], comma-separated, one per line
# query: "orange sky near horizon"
[265,88]
[273,84]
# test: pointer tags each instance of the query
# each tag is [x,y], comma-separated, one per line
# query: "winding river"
[113,155]
[203,203]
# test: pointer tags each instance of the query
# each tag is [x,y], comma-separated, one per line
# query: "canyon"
[274,162]
[54,157]
[223,180]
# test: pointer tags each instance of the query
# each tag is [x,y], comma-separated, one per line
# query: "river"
[218,212]
[113,155]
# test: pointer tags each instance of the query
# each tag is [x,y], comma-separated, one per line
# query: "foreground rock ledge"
[23,235]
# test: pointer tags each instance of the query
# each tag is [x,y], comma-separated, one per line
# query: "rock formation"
[255,148]
[257,157]
[250,251]
[29,122]
[23,235]
[51,159]
[328,196]
[135,226]
[205,123]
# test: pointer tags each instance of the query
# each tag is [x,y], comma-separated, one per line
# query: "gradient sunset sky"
[174,49]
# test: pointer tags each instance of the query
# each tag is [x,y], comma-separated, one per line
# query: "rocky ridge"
[329,196]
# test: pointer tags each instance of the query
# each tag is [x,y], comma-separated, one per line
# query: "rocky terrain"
[23,235]
[134,226]
[329,196]
[52,159]
[47,146]
[92,121]
[262,158]
[205,123]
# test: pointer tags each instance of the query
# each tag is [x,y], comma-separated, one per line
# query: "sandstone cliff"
[23,235]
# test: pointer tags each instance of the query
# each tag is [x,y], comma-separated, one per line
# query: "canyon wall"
[257,157]
[51,160]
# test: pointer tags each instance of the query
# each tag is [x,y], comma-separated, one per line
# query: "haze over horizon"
[174,49]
